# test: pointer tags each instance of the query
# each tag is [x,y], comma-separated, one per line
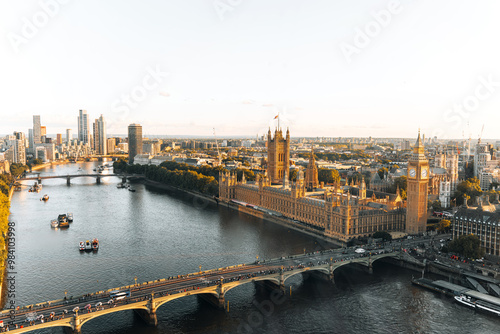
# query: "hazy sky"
[331,68]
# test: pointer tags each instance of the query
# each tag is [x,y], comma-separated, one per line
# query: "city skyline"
[330,69]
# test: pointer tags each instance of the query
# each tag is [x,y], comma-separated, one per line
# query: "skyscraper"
[418,180]
[134,141]
[59,139]
[37,130]
[83,127]
[99,140]
[69,135]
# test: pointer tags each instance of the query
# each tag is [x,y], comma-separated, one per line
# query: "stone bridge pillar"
[149,316]
[39,180]
[124,179]
[68,180]
[370,265]
[220,292]
[330,270]
[76,326]
[282,280]
[98,180]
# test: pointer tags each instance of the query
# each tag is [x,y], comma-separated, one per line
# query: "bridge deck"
[148,296]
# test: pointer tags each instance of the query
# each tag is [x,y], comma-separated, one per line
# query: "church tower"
[278,155]
[312,173]
[418,180]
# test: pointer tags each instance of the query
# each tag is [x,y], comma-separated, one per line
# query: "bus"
[117,295]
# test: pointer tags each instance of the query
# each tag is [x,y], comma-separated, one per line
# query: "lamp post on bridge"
[65,294]
[135,279]
[200,268]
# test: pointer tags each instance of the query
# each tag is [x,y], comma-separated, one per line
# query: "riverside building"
[339,212]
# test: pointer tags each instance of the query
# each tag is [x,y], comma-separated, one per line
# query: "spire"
[419,141]
[397,191]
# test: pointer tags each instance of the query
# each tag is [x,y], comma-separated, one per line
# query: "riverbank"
[203,200]
[3,291]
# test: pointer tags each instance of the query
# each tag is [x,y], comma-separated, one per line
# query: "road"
[54,310]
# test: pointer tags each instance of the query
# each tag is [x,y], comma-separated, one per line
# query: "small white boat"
[45,198]
[88,245]
[54,223]
[82,246]
[69,217]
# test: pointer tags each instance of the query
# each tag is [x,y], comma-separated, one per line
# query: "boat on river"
[62,219]
[82,245]
[88,245]
[45,198]
[54,223]
[95,244]
[69,217]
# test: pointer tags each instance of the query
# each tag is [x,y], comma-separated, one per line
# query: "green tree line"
[203,179]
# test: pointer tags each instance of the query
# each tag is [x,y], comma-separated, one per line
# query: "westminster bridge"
[212,285]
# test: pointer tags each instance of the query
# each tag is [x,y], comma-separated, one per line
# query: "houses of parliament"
[338,212]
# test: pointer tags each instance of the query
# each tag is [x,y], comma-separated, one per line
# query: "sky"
[329,68]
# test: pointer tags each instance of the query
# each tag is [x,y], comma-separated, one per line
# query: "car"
[360,250]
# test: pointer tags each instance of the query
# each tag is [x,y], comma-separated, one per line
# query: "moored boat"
[95,244]
[45,198]
[63,220]
[54,223]
[88,245]
[82,246]
[121,185]
[464,300]
[69,217]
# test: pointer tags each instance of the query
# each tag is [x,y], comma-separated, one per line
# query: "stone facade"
[482,220]
[312,173]
[341,213]
[418,180]
[278,155]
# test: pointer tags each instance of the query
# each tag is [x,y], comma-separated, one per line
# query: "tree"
[381,172]
[17,169]
[469,187]
[468,246]
[4,188]
[444,226]
[402,183]
[385,236]
[436,205]
[328,175]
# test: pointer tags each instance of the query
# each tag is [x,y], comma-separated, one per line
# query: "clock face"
[424,172]
[412,172]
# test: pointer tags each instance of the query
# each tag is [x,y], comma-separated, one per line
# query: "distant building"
[69,135]
[59,139]
[111,145]
[83,127]
[100,144]
[37,130]
[134,141]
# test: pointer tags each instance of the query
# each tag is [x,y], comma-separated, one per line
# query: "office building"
[134,141]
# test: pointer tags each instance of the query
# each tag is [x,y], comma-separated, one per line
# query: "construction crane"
[218,151]
[480,135]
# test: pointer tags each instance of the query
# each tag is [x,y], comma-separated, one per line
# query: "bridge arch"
[181,295]
[89,316]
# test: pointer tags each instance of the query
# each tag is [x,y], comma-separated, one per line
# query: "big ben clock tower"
[418,180]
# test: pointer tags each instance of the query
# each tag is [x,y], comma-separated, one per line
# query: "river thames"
[151,234]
